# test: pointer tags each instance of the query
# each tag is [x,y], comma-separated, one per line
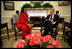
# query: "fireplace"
[36,21]
[34,13]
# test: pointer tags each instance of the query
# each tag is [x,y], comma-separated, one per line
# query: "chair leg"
[56,32]
[41,32]
[64,38]
[15,33]
[7,31]
[55,36]
[63,31]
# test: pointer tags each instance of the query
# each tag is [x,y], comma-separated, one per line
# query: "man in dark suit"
[51,23]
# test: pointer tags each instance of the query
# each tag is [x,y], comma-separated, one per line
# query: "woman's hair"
[22,10]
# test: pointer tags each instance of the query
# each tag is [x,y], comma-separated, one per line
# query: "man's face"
[17,12]
[51,12]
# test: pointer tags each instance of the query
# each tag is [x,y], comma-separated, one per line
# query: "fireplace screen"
[36,21]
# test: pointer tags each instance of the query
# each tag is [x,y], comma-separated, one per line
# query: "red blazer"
[23,20]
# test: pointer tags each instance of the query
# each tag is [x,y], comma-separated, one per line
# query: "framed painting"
[8,5]
[64,3]
[36,1]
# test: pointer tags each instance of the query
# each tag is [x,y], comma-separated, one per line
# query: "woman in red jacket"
[23,23]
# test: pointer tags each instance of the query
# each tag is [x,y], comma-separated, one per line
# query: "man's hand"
[53,22]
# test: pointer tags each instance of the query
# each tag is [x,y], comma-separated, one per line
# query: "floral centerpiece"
[37,41]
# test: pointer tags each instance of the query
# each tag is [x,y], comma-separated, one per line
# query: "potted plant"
[47,5]
[37,5]
[27,5]
[37,41]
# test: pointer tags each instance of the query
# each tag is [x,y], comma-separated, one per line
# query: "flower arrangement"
[38,5]
[37,41]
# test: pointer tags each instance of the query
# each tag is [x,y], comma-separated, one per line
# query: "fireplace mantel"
[39,8]
[38,11]
[35,12]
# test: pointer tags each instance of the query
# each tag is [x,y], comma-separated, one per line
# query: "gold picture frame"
[8,5]
[64,3]
[36,1]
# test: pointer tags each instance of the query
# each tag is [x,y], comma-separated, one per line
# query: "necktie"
[51,18]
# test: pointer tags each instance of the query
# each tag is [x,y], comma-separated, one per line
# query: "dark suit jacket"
[55,19]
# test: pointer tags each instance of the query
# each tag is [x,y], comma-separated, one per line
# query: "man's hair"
[52,9]
[57,12]
[17,11]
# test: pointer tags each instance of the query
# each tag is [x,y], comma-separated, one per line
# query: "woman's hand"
[28,25]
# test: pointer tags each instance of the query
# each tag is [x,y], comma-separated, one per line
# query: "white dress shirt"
[52,17]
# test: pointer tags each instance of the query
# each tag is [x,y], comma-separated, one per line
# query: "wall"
[6,15]
[65,11]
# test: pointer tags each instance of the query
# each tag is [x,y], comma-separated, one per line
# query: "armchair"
[55,29]
[67,33]
[16,30]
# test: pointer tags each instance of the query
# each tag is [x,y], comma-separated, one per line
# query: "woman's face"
[25,10]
